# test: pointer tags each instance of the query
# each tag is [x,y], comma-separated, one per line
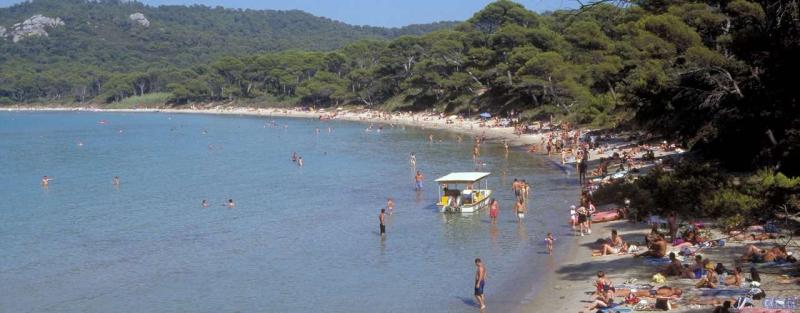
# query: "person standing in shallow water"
[390,205]
[418,181]
[382,221]
[480,282]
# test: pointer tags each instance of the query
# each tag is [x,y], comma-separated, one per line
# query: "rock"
[140,19]
[34,26]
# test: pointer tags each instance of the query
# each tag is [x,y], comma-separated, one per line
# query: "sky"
[387,13]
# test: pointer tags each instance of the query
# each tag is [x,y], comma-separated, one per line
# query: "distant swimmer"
[430,138]
[230,204]
[382,221]
[317,131]
[294,157]
[80,143]
[413,160]
[418,181]
[46,180]
[116,181]
[300,161]
[204,203]
[505,145]
[390,205]
[330,130]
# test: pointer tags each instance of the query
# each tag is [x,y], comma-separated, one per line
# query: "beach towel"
[656,261]
[634,286]
[723,293]
[615,310]
[768,264]
[761,310]
[780,302]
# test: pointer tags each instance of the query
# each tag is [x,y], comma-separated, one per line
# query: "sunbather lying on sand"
[757,255]
[660,292]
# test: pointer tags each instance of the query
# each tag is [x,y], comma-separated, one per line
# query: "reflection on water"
[300,239]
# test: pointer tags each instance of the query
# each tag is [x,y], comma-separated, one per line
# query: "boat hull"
[468,208]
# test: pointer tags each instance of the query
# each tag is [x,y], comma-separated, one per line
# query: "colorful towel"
[656,261]
[780,302]
[726,293]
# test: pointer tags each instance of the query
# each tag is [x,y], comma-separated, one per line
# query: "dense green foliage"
[714,74]
[700,190]
[99,48]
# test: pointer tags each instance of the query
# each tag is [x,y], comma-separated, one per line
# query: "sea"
[299,239]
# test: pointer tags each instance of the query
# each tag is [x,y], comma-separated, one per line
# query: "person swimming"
[204,203]
[115,181]
[46,180]
[230,204]
[390,205]
[300,161]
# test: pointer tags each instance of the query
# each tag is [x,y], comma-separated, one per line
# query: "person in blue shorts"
[480,282]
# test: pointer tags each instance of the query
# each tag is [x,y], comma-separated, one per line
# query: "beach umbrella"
[485,115]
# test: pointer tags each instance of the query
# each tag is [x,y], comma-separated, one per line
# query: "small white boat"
[463,192]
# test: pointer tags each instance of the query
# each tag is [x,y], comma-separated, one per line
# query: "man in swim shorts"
[520,208]
[480,282]
[382,220]
[418,181]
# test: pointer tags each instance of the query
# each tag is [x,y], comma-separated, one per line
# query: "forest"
[714,75]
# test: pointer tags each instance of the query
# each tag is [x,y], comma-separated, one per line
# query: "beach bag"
[632,299]
[757,293]
[663,304]
[754,274]
[743,302]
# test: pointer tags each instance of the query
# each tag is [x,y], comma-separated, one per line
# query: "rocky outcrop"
[36,25]
[140,19]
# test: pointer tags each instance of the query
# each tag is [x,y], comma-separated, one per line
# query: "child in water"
[549,241]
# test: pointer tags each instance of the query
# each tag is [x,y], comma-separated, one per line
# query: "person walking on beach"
[573,217]
[480,282]
[382,221]
[418,181]
[549,241]
[582,219]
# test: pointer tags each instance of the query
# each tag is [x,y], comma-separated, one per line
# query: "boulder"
[36,25]
[140,19]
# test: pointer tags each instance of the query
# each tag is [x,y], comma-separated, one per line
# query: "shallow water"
[299,240]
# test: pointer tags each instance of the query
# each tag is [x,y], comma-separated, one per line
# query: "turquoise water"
[299,239]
